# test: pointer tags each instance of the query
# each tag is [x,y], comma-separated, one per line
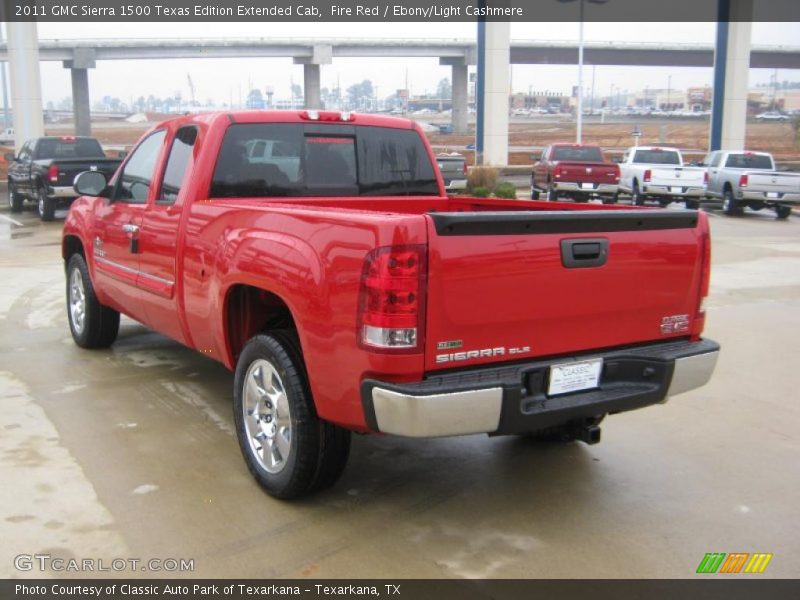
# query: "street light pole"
[579,132]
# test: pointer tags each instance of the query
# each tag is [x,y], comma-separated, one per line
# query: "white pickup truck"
[749,179]
[658,173]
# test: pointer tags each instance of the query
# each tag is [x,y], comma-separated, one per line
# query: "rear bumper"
[763,197]
[512,398]
[664,190]
[62,192]
[455,184]
[575,188]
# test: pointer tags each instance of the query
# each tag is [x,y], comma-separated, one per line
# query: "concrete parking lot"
[130,453]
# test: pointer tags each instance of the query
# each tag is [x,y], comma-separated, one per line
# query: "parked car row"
[739,178]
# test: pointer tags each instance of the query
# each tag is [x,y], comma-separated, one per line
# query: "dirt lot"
[777,138]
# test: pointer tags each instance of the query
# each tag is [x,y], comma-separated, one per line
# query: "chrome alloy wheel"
[267,416]
[77,301]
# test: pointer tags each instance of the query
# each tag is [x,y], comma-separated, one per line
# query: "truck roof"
[296,116]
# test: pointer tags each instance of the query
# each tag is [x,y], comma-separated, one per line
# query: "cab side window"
[137,176]
[180,156]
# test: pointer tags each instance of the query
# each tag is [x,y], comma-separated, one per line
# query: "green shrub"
[505,189]
[482,177]
[481,192]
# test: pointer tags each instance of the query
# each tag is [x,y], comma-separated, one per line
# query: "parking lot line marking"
[10,220]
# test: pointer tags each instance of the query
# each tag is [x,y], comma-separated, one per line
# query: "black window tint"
[578,154]
[68,148]
[287,159]
[394,162]
[179,157]
[749,161]
[657,157]
[134,184]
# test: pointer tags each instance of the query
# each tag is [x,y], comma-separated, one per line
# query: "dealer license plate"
[574,376]
[676,190]
[587,186]
[772,194]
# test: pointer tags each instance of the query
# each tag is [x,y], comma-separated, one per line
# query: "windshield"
[578,153]
[291,159]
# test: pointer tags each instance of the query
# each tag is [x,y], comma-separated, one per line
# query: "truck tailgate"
[677,176]
[579,172]
[69,168]
[774,182]
[516,285]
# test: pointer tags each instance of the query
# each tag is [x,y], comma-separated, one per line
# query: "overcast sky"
[222,79]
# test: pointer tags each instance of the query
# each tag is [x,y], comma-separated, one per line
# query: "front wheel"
[636,197]
[92,324]
[782,211]
[15,201]
[287,448]
[47,206]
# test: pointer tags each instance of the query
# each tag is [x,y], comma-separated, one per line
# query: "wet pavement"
[130,453]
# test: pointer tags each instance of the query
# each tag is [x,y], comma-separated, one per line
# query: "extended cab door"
[158,238]
[714,182]
[19,171]
[118,223]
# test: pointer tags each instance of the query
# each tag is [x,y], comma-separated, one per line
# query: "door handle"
[580,253]
[131,229]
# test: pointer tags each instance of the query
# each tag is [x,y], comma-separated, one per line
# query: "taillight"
[648,175]
[557,171]
[52,173]
[705,178]
[465,167]
[391,308]
[743,180]
[705,278]
[617,173]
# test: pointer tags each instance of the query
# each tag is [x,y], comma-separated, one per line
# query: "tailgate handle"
[579,253]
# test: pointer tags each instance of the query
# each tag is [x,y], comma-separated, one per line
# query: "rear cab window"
[68,147]
[295,160]
[657,157]
[578,153]
[749,161]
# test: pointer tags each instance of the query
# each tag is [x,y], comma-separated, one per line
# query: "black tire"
[47,206]
[289,451]
[15,201]
[664,202]
[610,199]
[636,197]
[99,325]
[782,212]
[551,194]
[693,204]
[729,204]
[534,191]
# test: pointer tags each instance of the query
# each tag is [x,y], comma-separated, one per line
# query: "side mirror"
[10,157]
[90,183]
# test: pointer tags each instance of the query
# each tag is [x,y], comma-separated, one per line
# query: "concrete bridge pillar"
[83,59]
[320,55]
[26,86]
[460,86]
[497,61]
[731,73]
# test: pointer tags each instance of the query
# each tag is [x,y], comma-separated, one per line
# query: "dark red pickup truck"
[349,293]
[575,171]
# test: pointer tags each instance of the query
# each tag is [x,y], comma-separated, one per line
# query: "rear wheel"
[92,324]
[15,201]
[664,202]
[287,448]
[610,199]
[782,211]
[729,204]
[551,193]
[47,206]
[693,204]
[636,197]
[534,191]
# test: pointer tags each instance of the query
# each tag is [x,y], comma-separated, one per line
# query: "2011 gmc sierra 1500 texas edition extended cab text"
[349,293]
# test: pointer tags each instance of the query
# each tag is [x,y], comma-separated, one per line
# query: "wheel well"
[727,187]
[71,245]
[250,310]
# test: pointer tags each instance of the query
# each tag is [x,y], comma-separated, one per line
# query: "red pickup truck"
[348,292]
[577,171]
